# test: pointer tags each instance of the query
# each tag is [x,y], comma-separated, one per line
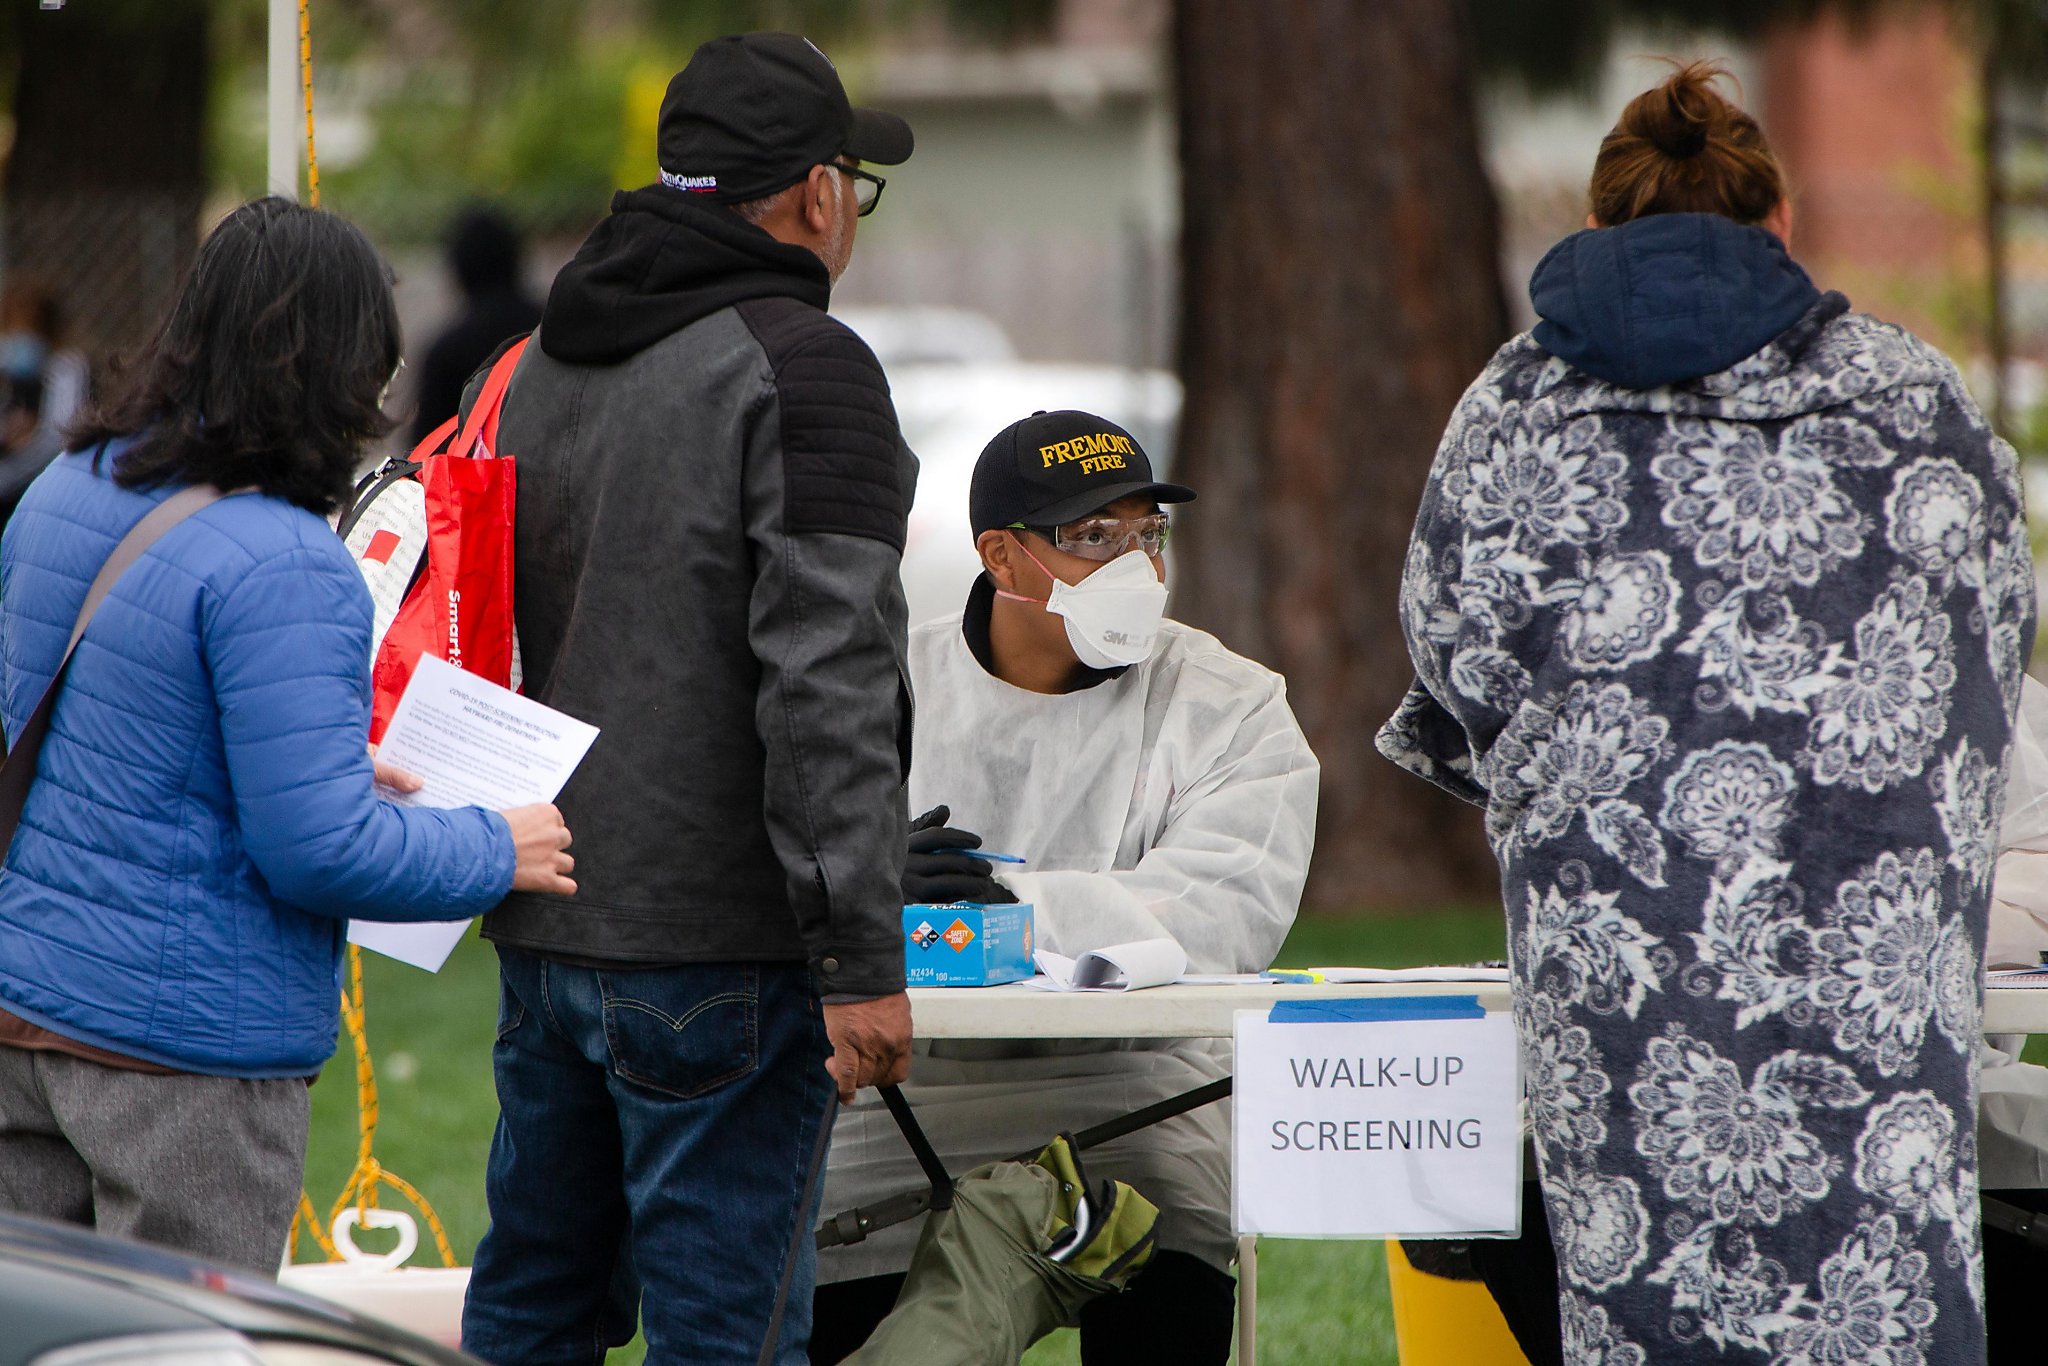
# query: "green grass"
[2036,1050]
[430,1037]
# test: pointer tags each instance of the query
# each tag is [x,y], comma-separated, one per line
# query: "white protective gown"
[2012,1097]
[1177,799]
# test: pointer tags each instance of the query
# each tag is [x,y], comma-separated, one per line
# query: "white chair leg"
[1248,1300]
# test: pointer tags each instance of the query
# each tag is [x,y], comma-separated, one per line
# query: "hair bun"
[1683,143]
[1684,147]
[1681,133]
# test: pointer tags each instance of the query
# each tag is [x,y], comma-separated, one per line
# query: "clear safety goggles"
[1105,538]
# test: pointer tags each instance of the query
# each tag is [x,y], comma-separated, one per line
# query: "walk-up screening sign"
[1390,1118]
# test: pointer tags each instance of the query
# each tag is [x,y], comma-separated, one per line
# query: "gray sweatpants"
[210,1166]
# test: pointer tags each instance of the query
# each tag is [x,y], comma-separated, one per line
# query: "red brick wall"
[1873,122]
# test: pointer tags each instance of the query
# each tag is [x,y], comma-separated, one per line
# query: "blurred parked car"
[919,335]
[71,1298]
[949,412]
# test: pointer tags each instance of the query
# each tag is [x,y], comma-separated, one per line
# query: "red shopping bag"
[440,525]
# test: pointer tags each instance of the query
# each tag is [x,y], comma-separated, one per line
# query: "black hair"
[484,249]
[270,368]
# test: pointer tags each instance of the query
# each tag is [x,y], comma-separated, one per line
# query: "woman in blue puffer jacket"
[203,820]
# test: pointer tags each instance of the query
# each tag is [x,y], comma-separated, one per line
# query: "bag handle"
[940,1196]
[19,769]
[434,440]
[812,1176]
[485,413]
[920,1147]
[2016,1220]
[854,1225]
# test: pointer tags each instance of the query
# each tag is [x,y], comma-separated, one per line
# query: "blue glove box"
[966,945]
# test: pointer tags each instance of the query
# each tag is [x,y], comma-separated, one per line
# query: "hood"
[660,262]
[1667,298]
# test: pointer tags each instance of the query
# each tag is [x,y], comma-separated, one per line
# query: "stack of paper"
[1120,967]
[1347,976]
[1444,974]
[1162,962]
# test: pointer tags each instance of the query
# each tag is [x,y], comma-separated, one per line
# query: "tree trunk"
[1340,288]
[107,176]
[1995,194]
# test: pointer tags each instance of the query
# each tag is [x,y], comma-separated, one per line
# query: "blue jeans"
[654,1131]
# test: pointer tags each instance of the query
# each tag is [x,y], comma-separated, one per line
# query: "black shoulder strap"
[920,1146]
[2016,1220]
[854,1225]
[800,1229]
[938,1196]
[19,770]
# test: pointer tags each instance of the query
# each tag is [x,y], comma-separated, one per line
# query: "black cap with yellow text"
[1051,468]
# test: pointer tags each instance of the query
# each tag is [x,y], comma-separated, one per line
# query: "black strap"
[1152,1114]
[372,484]
[2021,1223]
[927,1156]
[854,1225]
[848,1227]
[19,769]
[796,1228]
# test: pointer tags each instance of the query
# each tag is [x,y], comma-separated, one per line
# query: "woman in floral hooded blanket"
[1718,600]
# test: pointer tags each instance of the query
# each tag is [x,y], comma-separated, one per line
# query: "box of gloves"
[966,945]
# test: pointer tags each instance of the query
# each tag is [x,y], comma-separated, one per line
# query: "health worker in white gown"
[1157,785]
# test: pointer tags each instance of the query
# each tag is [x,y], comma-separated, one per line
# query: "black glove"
[933,878]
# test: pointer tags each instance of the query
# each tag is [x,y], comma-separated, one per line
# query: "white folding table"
[1209,1012]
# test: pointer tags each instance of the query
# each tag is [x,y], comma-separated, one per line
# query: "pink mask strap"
[1019,597]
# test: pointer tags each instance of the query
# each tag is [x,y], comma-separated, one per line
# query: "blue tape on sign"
[1378,1008]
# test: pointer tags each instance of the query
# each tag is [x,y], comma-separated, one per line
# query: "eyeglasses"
[867,188]
[1105,538]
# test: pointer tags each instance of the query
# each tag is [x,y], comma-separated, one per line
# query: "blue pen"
[982,853]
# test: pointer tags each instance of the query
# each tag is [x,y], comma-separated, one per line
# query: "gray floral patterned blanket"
[1731,664]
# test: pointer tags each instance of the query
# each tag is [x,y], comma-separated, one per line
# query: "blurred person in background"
[203,820]
[1159,788]
[1718,598]
[27,443]
[713,493]
[487,259]
[41,388]
[32,347]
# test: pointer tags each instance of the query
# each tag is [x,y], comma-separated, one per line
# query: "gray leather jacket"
[709,531]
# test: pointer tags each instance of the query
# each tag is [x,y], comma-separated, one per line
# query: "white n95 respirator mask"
[1113,615]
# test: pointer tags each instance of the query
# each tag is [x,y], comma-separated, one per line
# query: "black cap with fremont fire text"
[753,112]
[1054,467]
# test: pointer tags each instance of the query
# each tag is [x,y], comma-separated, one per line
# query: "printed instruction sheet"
[472,743]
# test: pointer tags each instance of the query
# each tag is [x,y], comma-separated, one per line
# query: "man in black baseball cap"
[753,113]
[1058,501]
[713,499]
[1051,468]
[1141,782]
